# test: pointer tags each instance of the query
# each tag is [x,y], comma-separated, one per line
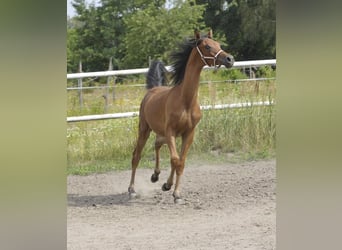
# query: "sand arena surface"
[227,206]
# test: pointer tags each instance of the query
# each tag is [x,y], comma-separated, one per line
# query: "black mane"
[180,58]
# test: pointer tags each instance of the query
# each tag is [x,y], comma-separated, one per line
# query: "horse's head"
[211,52]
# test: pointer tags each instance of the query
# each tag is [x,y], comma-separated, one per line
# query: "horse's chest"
[188,121]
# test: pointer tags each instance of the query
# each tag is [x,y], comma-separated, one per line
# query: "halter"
[209,57]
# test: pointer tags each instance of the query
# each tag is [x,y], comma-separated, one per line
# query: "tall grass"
[240,133]
[100,145]
[237,130]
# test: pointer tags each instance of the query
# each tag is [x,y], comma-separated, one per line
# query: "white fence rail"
[79,76]
[136,113]
[239,64]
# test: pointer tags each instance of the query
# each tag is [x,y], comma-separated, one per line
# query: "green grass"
[231,135]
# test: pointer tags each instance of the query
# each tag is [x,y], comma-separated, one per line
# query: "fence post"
[114,81]
[106,94]
[80,94]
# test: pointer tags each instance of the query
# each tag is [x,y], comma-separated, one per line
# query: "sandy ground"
[227,206]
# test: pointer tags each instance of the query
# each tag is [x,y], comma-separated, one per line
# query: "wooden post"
[80,85]
[114,80]
[106,94]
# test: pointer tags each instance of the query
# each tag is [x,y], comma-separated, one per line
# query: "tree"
[113,13]
[248,26]
[100,33]
[71,55]
[88,44]
[155,31]
[131,31]
[258,29]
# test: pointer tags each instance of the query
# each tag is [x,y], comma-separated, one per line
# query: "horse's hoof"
[179,201]
[131,192]
[154,178]
[133,195]
[166,187]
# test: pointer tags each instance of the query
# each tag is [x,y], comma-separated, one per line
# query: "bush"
[232,74]
[265,71]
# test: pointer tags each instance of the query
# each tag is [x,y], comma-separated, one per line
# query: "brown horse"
[174,111]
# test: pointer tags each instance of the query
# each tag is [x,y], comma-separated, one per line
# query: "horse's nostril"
[229,61]
[230,58]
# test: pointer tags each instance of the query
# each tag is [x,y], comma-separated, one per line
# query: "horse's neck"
[190,84]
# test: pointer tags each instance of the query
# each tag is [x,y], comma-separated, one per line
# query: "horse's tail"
[156,75]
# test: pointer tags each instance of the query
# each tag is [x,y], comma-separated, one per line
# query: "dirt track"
[227,206]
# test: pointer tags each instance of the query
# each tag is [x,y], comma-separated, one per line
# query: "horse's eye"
[207,47]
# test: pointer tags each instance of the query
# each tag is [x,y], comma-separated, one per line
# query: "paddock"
[227,206]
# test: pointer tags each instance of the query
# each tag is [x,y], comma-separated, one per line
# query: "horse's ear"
[210,34]
[197,34]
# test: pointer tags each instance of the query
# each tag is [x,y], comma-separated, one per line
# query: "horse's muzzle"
[227,60]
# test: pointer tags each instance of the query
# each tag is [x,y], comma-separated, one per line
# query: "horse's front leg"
[171,142]
[187,140]
[160,141]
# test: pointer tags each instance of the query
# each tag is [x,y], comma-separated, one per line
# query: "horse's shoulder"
[159,89]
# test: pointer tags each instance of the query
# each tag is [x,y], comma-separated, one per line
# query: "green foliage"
[156,31]
[265,71]
[249,26]
[71,55]
[236,130]
[257,29]
[232,74]
[90,144]
[129,31]
[100,32]
[133,31]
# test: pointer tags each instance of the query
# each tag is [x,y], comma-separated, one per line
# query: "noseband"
[209,57]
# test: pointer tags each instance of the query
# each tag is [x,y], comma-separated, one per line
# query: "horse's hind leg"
[160,141]
[144,133]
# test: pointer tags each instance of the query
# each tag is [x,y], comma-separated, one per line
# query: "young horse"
[174,111]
